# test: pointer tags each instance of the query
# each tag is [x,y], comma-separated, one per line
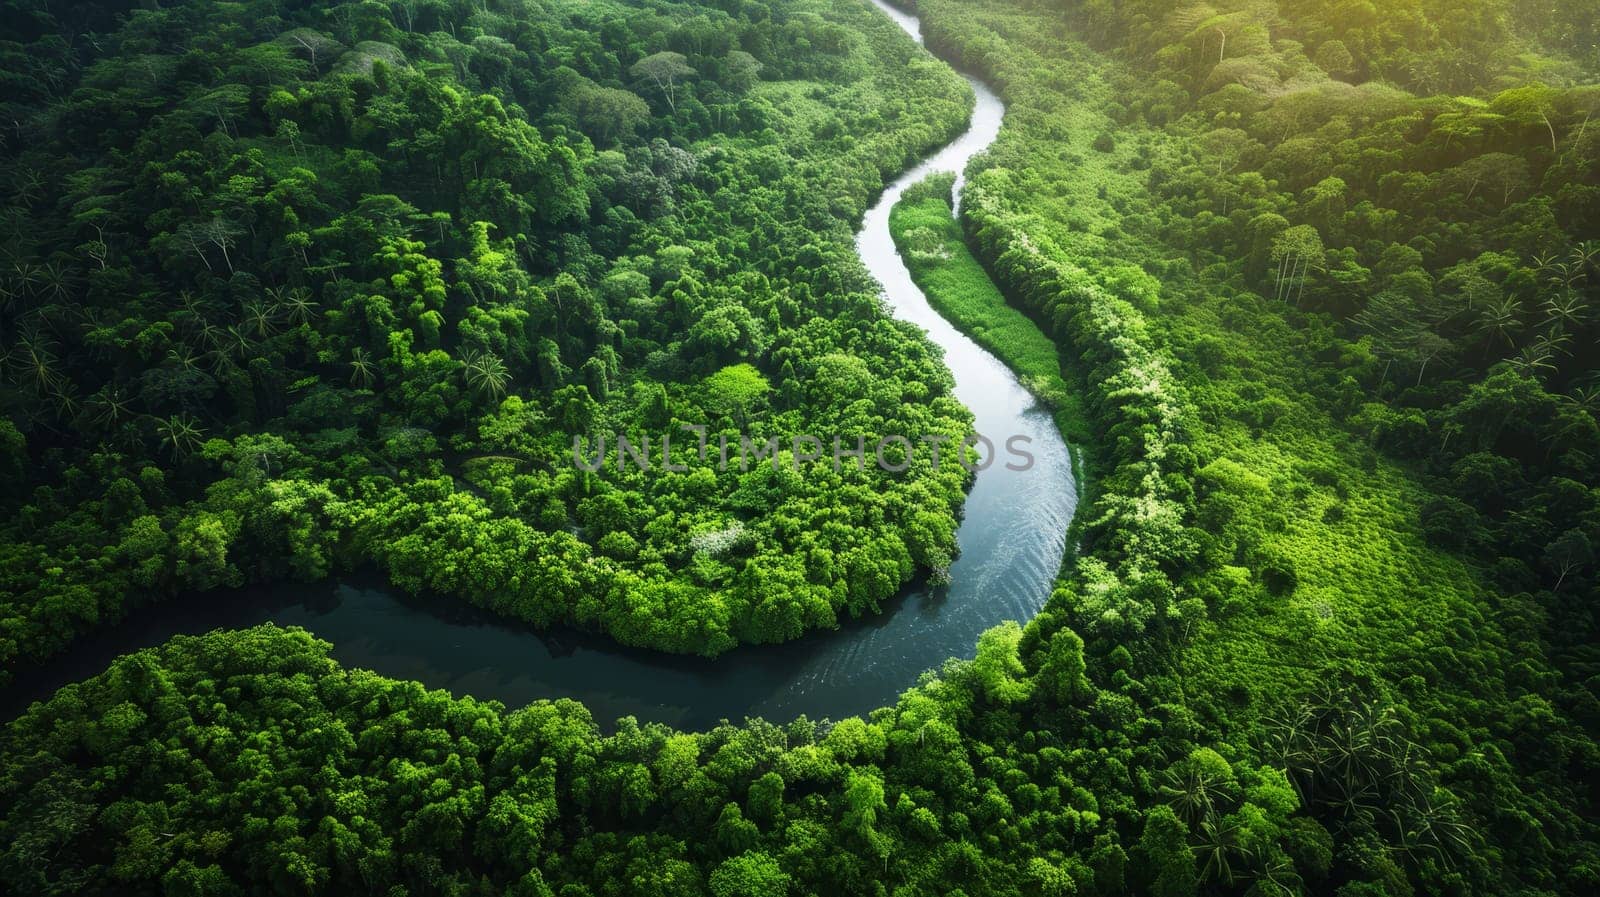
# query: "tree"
[1507,399]
[180,435]
[735,389]
[1326,200]
[1063,676]
[1297,251]
[1427,347]
[596,377]
[765,800]
[1229,147]
[863,801]
[998,668]
[318,48]
[743,70]
[1334,58]
[218,232]
[202,543]
[750,874]
[728,331]
[733,833]
[1501,170]
[1570,551]
[486,374]
[1529,106]
[1165,847]
[664,70]
[638,790]
[608,114]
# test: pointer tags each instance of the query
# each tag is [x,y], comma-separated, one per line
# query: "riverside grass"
[929,238]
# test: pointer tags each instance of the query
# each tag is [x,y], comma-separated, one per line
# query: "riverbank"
[928,235]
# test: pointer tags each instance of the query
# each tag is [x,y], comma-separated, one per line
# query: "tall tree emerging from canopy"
[664,70]
[1298,251]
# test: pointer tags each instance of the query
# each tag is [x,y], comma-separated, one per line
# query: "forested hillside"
[303,287]
[292,287]
[1356,431]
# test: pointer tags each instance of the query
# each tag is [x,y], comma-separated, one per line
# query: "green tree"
[1164,846]
[750,874]
[664,70]
[736,389]
[1063,675]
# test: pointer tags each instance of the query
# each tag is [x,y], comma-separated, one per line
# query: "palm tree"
[1431,825]
[1360,745]
[190,303]
[276,297]
[1343,751]
[55,281]
[183,358]
[24,275]
[64,399]
[1357,802]
[298,307]
[1557,272]
[1218,841]
[219,361]
[1194,790]
[1553,342]
[260,318]
[486,373]
[1291,746]
[1500,323]
[1278,878]
[109,407]
[212,336]
[1566,309]
[362,370]
[1586,256]
[180,433]
[10,292]
[239,342]
[1544,265]
[35,358]
[1534,363]
[28,183]
[1585,398]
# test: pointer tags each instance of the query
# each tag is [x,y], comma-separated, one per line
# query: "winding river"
[1012,537]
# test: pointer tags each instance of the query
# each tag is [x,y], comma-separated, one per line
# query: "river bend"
[1011,538]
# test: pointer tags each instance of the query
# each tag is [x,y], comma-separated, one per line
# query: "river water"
[1012,537]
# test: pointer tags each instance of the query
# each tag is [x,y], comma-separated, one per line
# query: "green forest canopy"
[293,287]
[1323,276]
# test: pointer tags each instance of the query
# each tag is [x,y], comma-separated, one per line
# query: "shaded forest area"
[295,287]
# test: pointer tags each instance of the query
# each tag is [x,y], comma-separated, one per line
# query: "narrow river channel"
[1012,537]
